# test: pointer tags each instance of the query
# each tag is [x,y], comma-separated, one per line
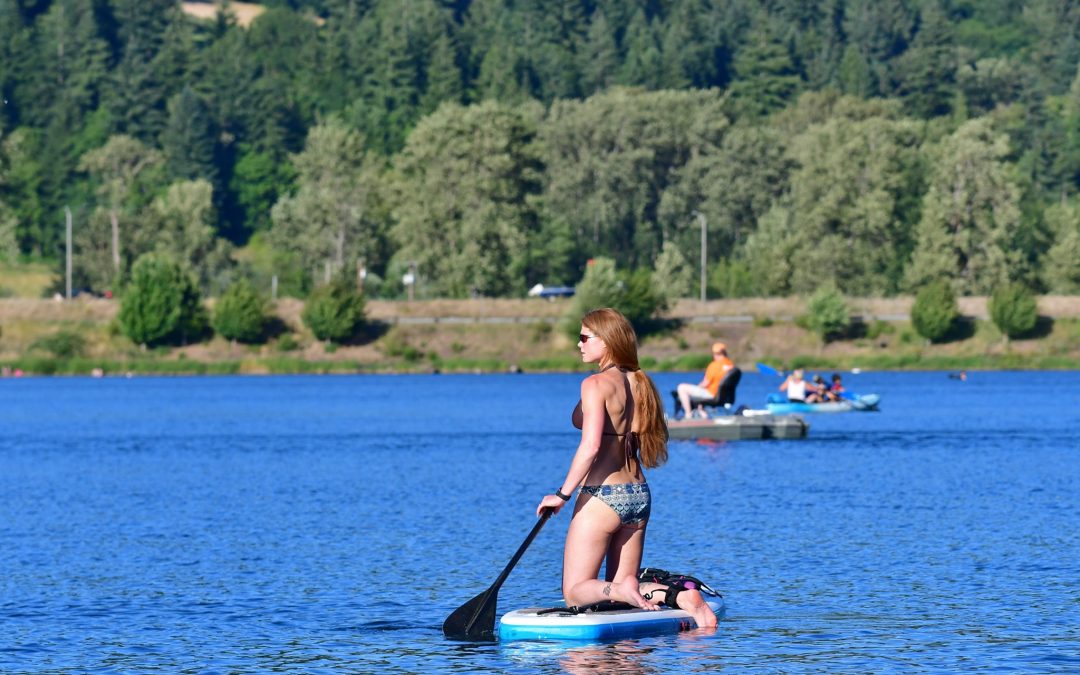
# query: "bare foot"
[692,601]
[628,592]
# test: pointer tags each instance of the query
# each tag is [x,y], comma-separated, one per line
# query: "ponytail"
[652,430]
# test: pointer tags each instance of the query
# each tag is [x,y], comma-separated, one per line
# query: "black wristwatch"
[560,495]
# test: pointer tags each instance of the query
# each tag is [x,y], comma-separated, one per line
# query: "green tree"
[463,199]
[601,286]
[827,313]
[673,276]
[935,310]
[610,159]
[855,76]
[9,245]
[183,220]
[1013,310]
[766,78]
[335,217]
[927,70]
[140,80]
[599,56]
[971,211]
[880,30]
[123,170]
[67,70]
[392,65]
[188,139]
[643,63]
[259,179]
[848,199]
[334,312]
[240,314]
[1061,267]
[161,304]
[733,186]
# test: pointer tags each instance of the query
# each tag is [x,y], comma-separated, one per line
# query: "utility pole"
[701,219]
[67,218]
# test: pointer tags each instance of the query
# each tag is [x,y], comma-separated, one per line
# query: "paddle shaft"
[484,601]
[521,551]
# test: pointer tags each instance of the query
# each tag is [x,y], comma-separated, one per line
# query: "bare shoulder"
[596,385]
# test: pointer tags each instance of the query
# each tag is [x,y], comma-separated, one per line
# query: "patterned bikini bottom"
[631,501]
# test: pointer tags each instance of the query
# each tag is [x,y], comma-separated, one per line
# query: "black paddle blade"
[475,620]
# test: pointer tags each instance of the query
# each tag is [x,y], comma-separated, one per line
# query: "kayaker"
[709,387]
[622,432]
[836,389]
[818,391]
[795,386]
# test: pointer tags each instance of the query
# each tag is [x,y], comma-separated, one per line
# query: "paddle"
[767,369]
[475,620]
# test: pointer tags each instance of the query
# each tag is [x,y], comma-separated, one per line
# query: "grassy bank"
[47,337]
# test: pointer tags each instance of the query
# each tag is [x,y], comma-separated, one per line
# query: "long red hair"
[621,341]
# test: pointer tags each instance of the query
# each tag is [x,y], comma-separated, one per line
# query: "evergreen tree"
[880,30]
[240,314]
[935,311]
[854,76]
[926,72]
[188,139]
[334,312]
[766,77]
[61,94]
[140,80]
[1013,310]
[442,75]
[598,55]
[643,63]
[161,305]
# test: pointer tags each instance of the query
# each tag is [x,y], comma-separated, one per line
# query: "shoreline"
[506,336]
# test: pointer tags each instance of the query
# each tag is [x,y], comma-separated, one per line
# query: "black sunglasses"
[583,338]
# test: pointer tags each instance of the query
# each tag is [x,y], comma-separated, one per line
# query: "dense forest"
[488,145]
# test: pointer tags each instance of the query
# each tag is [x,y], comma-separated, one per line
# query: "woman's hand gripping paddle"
[475,620]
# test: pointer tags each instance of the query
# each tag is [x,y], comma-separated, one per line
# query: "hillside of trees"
[488,145]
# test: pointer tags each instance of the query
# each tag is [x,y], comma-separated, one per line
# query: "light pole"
[701,219]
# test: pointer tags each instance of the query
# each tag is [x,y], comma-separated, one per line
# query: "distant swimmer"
[962,375]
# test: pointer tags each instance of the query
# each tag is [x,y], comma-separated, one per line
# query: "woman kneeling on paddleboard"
[622,430]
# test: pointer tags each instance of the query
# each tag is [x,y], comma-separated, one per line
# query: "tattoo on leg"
[607,589]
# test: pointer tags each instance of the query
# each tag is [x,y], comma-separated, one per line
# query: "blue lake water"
[330,524]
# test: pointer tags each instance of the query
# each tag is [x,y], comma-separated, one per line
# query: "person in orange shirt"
[707,389]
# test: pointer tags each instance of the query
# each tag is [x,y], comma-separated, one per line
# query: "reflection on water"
[330,524]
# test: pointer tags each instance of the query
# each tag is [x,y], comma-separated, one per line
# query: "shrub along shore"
[82,336]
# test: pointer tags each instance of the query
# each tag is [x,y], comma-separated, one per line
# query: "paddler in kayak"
[622,430]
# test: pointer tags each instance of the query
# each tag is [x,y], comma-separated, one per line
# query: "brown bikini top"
[630,438]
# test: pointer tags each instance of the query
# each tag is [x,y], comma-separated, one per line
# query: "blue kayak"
[537,623]
[779,405]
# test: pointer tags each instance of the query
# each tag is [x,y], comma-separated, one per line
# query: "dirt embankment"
[491,334]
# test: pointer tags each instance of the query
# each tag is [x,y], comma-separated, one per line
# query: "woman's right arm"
[592,430]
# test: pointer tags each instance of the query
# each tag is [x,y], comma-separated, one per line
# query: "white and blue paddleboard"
[529,624]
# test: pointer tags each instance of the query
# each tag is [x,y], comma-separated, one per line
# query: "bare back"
[616,427]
